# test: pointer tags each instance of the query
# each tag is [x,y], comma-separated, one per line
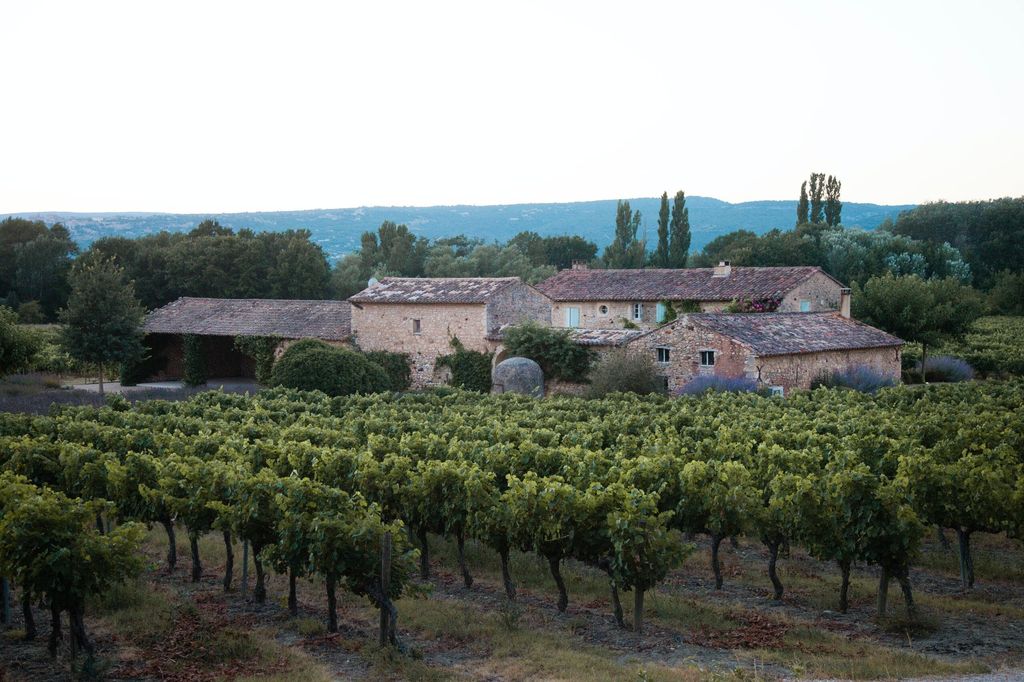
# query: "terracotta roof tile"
[288,319]
[433,290]
[793,333]
[690,284]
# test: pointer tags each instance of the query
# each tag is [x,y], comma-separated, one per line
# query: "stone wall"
[820,290]
[390,327]
[685,342]
[799,371]
[517,303]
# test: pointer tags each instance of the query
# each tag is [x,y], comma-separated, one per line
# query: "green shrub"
[18,346]
[31,312]
[193,361]
[625,371]
[550,347]
[471,369]
[134,371]
[992,345]
[261,350]
[396,366]
[314,366]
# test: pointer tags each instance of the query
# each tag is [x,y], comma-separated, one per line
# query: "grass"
[453,635]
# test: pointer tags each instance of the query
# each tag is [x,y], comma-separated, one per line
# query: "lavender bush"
[859,378]
[947,368]
[700,384]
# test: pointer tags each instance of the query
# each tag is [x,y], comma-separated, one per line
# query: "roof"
[690,284]
[287,319]
[769,334]
[433,289]
[604,337]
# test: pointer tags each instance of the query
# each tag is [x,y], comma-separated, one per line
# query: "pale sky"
[248,106]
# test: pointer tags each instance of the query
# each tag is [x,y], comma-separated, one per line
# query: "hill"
[338,230]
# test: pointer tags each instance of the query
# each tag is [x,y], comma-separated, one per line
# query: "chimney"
[844,302]
[580,265]
[723,269]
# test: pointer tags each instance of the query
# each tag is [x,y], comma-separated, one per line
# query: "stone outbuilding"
[780,351]
[217,321]
[421,316]
[602,299]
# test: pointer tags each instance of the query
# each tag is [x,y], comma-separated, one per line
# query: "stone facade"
[819,292]
[425,331]
[685,342]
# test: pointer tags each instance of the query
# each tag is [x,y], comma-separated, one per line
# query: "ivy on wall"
[471,369]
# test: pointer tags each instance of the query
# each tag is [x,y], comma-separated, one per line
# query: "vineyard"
[623,489]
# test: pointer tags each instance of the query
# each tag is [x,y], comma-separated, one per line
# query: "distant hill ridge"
[338,230]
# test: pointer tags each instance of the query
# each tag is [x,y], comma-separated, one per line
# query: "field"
[899,456]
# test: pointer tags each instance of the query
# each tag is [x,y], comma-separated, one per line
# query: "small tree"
[261,349]
[103,318]
[679,232]
[193,360]
[914,309]
[552,348]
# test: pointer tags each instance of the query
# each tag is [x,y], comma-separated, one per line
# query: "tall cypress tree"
[679,247]
[817,198]
[626,251]
[833,206]
[802,206]
[661,254]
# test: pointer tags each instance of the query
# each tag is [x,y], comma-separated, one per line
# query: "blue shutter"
[661,312]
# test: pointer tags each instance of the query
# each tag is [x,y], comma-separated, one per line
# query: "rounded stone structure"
[518,375]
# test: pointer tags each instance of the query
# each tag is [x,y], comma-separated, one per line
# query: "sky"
[208,107]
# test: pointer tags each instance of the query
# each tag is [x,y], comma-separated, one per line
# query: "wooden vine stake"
[385,589]
[245,568]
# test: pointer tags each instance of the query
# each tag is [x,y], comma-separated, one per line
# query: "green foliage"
[992,345]
[833,206]
[213,261]
[989,234]
[679,232]
[34,264]
[18,346]
[817,197]
[924,311]
[261,349]
[50,547]
[626,250]
[624,371]
[559,252]
[660,257]
[314,366]
[803,210]
[31,312]
[103,319]
[396,366]
[193,360]
[471,370]
[550,347]
[1007,294]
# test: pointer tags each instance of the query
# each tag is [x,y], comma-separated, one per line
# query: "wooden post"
[5,607]
[385,589]
[245,568]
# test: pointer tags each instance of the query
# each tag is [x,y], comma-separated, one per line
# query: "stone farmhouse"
[809,333]
[422,316]
[601,299]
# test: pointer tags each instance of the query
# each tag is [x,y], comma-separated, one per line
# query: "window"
[776,390]
[707,358]
[603,309]
[572,317]
[661,312]
[664,383]
[415,326]
[663,355]
[805,306]
[638,311]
